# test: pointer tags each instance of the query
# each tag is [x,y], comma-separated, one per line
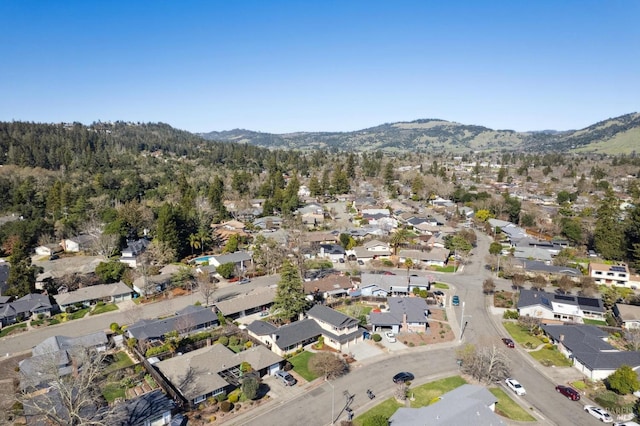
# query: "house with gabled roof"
[587,347]
[78,243]
[186,321]
[256,300]
[465,405]
[334,285]
[215,369]
[242,259]
[559,307]
[404,314]
[135,248]
[383,285]
[627,315]
[88,296]
[28,306]
[340,331]
[373,249]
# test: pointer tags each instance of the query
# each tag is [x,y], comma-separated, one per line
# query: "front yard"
[522,336]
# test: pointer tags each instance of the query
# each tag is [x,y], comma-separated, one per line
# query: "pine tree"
[290,300]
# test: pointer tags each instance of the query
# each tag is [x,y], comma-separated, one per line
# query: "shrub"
[234,340]
[376,337]
[221,397]
[509,314]
[248,344]
[233,398]
[226,406]
[223,340]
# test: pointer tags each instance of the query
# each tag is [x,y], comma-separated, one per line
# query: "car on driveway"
[569,392]
[390,337]
[286,378]
[508,342]
[599,413]
[515,386]
[403,377]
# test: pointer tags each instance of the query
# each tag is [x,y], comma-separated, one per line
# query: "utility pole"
[333,401]
[462,322]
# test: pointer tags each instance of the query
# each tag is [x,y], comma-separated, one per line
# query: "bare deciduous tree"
[328,365]
[486,364]
[565,284]
[207,286]
[518,280]
[488,286]
[529,322]
[588,286]
[539,282]
[70,398]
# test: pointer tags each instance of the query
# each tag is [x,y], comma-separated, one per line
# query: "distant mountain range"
[620,135]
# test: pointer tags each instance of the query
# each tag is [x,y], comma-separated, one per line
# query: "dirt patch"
[9,376]
[504,299]
[439,331]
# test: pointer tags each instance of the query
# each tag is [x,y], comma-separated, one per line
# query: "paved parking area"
[364,350]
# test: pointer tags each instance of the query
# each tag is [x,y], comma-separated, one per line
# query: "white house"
[559,307]
[617,274]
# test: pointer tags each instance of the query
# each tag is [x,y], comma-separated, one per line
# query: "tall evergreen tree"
[290,300]
[608,236]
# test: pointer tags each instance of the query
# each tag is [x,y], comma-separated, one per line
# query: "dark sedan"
[569,392]
[403,377]
[508,342]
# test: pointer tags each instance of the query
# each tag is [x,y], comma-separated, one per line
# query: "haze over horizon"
[286,66]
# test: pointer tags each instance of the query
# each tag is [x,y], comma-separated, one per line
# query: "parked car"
[599,413]
[508,342]
[54,256]
[515,386]
[264,313]
[569,392]
[286,378]
[390,337]
[341,260]
[360,262]
[438,293]
[388,273]
[629,423]
[244,281]
[402,377]
[455,300]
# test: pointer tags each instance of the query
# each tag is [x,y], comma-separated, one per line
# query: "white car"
[390,337]
[599,413]
[515,386]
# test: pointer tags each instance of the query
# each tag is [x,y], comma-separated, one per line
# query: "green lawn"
[594,322]
[442,286]
[112,391]
[300,364]
[355,309]
[549,357]
[78,314]
[423,395]
[12,328]
[445,269]
[521,335]
[121,360]
[508,408]
[104,308]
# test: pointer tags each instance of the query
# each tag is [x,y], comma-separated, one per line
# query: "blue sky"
[284,66]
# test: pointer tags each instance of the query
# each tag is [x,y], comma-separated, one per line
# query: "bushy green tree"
[250,386]
[226,270]
[623,381]
[290,299]
[111,272]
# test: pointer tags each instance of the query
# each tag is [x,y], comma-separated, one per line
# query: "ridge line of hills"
[618,135]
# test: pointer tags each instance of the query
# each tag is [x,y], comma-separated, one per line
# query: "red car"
[508,342]
[569,392]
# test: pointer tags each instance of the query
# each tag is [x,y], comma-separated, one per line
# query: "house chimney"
[562,337]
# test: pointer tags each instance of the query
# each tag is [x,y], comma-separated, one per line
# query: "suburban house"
[88,296]
[373,249]
[226,229]
[149,409]
[268,222]
[240,259]
[188,320]
[465,405]
[334,285]
[340,331]
[48,249]
[405,314]
[59,353]
[27,307]
[215,369]
[617,274]
[256,300]
[77,244]
[130,254]
[587,347]
[559,307]
[627,315]
[382,285]
[148,285]
[434,257]
[333,252]
[531,268]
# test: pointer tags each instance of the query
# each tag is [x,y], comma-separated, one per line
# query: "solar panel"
[588,301]
[563,297]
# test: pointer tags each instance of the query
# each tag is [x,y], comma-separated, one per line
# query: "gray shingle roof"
[193,316]
[413,307]
[466,405]
[253,299]
[534,297]
[331,316]
[586,344]
[92,293]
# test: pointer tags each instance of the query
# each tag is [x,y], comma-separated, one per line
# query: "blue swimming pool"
[201,259]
